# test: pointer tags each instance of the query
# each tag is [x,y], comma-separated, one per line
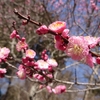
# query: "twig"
[26,18]
[78,83]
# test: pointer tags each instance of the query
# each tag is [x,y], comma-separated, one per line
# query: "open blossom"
[42,30]
[30,53]
[77,48]
[52,62]
[2,72]
[4,53]
[92,41]
[21,73]
[57,26]
[41,64]
[21,45]
[59,89]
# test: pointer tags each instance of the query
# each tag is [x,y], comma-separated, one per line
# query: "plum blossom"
[59,89]
[92,41]
[21,73]
[30,53]
[57,26]
[42,30]
[44,56]
[4,53]
[13,34]
[49,89]
[94,6]
[52,62]
[21,45]
[2,72]
[39,77]
[59,44]
[89,60]
[50,76]
[65,33]
[41,64]
[78,49]
[98,60]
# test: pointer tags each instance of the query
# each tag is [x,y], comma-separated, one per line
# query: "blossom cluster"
[76,47]
[41,70]
[4,55]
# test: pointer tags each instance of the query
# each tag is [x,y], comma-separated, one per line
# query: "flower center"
[57,25]
[77,49]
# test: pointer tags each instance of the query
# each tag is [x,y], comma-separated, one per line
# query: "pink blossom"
[77,48]
[52,62]
[25,59]
[57,26]
[2,72]
[13,34]
[21,45]
[50,76]
[42,30]
[4,53]
[98,60]
[65,33]
[41,86]
[94,6]
[59,89]
[30,53]
[39,77]
[50,69]
[92,41]
[21,67]
[44,56]
[21,73]
[41,64]
[89,60]
[49,89]
[59,44]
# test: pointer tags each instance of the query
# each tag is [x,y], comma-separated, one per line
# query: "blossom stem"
[26,18]
[36,23]
[94,54]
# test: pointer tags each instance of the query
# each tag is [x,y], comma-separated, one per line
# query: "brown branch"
[82,90]
[26,18]
[78,83]
[94,54]
[36,23]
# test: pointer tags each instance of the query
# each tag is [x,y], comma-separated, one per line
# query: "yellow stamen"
[77,49]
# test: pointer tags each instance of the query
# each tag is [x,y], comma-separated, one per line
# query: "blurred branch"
[26,18]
